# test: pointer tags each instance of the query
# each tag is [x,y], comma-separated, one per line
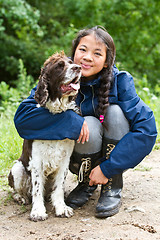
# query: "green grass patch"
[6,199]
[142,168]
[10,147]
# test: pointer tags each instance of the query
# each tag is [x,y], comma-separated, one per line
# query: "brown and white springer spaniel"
[43,164]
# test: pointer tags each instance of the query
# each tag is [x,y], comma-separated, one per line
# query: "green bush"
[11,97]
[150,99]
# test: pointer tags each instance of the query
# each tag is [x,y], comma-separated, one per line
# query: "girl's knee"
[117,123]
[95,137]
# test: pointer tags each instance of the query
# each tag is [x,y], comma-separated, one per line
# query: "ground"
[138,219]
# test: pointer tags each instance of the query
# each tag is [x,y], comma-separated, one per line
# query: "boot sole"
[73,206]
[76,204]
[108,213]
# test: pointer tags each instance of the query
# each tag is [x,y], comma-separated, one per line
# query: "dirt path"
[138,219]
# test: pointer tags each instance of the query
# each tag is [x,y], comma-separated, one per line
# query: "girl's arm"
[138,143]
[32,122]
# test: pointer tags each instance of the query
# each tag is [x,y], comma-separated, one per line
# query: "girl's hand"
[97,177]
[84,134]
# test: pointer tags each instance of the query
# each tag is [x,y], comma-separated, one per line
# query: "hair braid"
[103,99]
[103,95]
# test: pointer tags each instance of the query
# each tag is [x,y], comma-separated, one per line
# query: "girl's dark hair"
[106,73]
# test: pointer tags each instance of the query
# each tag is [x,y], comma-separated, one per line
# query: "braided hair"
[106,73]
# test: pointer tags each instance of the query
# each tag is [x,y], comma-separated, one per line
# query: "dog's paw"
[37,215]
[21,200]
[64,211]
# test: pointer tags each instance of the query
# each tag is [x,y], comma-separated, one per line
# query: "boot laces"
[109,149]
[84,169]
[107,186]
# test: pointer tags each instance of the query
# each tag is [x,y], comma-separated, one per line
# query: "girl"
[116,129]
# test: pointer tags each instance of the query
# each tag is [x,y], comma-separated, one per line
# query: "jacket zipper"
[93,99]
[82,101]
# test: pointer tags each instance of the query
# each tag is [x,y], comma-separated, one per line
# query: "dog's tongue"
[75,86]
[65,88]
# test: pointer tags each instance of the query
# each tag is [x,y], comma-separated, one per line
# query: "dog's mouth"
[74,85]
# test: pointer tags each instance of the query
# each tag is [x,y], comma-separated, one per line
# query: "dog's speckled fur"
[45,162]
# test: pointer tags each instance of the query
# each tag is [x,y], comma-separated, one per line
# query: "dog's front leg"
[57,196]
[38,212]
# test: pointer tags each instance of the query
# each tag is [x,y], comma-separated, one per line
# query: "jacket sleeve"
[34,122]
[138,143]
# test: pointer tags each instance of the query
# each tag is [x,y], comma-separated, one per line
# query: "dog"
[43,165]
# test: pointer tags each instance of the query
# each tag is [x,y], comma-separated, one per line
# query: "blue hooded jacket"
[38,123]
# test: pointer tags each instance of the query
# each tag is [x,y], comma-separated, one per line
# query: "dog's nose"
[76,68]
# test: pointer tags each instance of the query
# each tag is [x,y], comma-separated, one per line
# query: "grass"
[10,147]
[142,168]
[153,102]
[10,142]
[6,199]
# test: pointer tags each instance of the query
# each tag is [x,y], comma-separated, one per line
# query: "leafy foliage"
[33,30]
[20,35]
[135,27]
[11,97]
[153,102]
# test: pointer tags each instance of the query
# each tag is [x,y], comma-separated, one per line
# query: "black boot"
[82,165]
[110,197]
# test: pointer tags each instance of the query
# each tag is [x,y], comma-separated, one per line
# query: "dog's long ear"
[41,94]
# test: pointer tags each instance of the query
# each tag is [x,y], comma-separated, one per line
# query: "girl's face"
[90,54]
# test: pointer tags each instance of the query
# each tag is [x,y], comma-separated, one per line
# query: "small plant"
[142,168]
[25,82]
[7,199]
[23,209]
[10,97]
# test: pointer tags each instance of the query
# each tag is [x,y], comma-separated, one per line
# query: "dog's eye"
[61,64]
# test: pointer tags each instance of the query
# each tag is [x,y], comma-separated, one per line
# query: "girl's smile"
[86,66]
[90,54]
